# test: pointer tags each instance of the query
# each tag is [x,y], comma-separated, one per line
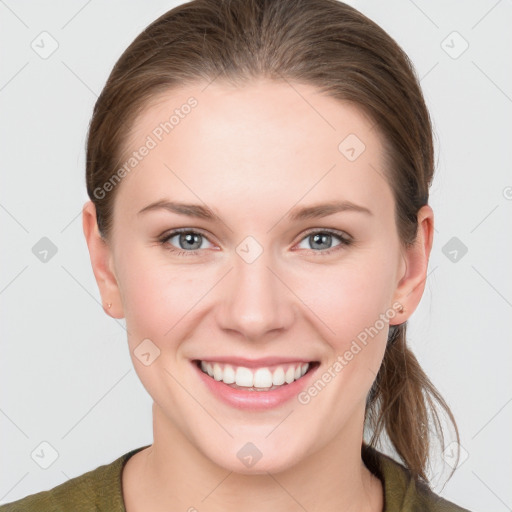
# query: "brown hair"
[323,43]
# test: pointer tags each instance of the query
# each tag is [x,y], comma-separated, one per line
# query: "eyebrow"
[296,214]
[191,210]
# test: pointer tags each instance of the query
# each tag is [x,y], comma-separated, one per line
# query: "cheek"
[349,297]
[351,308]
[155,296]
[158,306]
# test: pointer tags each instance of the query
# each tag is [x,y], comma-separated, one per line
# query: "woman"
[258,174]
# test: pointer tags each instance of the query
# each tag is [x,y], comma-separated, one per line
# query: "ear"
[411,285]
[101,260]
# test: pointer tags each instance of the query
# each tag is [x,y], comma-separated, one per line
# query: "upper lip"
[255,363]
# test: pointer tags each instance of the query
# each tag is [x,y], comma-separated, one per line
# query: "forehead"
[279,141]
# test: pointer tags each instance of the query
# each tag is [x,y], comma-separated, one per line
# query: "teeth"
[228,376]
[278,376]
[244,377]
[262,378]
[290,375]
[217,372]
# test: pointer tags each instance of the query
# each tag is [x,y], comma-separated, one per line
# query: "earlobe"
[411,285]
[101,260]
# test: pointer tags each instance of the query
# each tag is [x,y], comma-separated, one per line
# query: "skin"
[252,154]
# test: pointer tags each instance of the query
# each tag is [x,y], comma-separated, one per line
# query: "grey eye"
[321,240]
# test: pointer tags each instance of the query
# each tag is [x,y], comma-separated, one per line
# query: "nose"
[256,302]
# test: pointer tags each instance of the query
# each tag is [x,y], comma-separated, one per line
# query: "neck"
[173,475]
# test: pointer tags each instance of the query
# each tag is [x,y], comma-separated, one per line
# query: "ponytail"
[401,401]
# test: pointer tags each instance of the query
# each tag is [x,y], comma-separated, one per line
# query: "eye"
[188,240]
[321,241]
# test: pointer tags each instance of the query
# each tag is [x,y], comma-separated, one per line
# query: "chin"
[255,458]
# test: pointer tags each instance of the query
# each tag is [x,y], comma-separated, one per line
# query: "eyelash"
[343,238]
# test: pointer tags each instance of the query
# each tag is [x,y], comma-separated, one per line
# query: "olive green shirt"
[100,490]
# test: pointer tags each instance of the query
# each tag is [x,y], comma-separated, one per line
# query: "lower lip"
[255,400]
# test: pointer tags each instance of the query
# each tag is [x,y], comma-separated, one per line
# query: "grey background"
[66,375]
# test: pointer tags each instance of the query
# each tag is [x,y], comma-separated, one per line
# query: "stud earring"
[109,305]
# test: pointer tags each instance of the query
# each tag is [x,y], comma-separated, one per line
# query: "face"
[265,276]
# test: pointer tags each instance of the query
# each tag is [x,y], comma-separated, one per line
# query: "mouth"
[255,387]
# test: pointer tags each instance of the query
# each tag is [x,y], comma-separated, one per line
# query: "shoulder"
[96,490]
[402,493]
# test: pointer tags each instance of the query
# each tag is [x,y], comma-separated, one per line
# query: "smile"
[256,388]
